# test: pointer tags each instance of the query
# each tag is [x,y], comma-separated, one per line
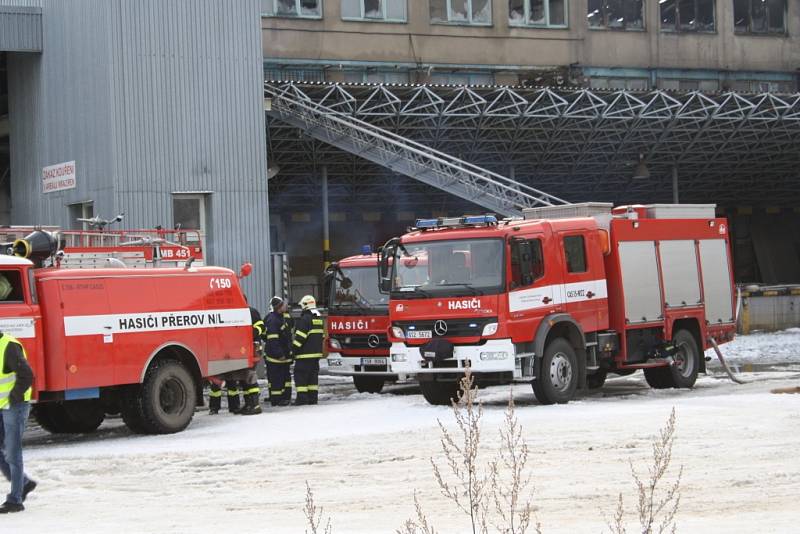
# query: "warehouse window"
[292,8]
[80,210]
[190,212]
[546,13]
[759,16]
[374,10]
[616,14]
[477,12]
[687,15]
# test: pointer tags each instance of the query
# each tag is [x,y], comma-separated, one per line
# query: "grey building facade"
[159,104]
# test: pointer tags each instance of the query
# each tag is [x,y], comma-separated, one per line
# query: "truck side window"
[11,287]
[536,264]
[575,254]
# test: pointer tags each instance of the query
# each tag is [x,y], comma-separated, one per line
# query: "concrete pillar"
[675,184]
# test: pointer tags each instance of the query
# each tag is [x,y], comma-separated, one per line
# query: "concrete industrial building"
[641,80]
[159,106]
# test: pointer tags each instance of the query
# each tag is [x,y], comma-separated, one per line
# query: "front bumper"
[494,356]
[339,365]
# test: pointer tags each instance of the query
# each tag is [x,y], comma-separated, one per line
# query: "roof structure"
[578,144]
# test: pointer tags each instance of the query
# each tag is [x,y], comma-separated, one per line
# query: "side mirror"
[384,268]
[245,270]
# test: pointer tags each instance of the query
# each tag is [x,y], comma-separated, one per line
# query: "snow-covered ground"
[364,456]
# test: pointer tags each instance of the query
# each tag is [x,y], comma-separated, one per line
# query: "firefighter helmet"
[308,302]
[276,303]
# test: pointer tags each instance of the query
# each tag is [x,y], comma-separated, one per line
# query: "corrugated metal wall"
[20,29]
[149,98]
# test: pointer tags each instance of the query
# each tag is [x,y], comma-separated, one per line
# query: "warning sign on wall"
[58,177]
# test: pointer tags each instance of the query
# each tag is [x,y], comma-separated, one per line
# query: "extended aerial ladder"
[483,187]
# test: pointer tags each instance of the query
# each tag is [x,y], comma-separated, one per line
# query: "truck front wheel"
[368,384]
[558,375]
[70,417]
[440,393]
[167,399]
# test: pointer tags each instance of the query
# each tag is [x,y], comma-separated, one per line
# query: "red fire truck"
[122,340]
[559,298]
[358,318]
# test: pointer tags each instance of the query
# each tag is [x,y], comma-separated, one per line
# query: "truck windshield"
[452,268]
[362,296]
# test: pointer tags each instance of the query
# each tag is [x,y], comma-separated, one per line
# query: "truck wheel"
[440,393]
[131,409]
[596,379]
[558,378]
[70,417]
[683,373]
[167,400]
[368,384]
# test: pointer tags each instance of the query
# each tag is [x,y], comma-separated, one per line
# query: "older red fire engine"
[358,318]
[122,340]
[560,298]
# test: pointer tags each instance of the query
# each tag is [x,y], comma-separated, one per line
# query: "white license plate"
[373,361]
[419,334]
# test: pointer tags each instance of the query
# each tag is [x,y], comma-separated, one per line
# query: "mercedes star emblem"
[440,327]
[373,341]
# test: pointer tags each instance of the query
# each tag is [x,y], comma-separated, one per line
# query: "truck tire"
[131,409]
[683,373]
[368,384]
[558,378]
[70,417]
[440,393]
[167,398]
[596,379]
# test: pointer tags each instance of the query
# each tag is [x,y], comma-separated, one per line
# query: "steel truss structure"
[577,144]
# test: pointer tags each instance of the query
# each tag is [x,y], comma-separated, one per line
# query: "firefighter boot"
[251,405]
[214,402]
[234,401]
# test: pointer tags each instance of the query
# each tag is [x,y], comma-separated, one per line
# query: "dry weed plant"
[496,493]
[656,506]
[314,515]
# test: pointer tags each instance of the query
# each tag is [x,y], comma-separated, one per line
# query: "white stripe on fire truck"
[19,327]
[122,323]
[530,299]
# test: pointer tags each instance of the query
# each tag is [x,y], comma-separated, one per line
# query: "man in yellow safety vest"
[16,379]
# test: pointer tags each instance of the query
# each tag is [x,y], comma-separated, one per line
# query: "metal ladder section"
[494,192]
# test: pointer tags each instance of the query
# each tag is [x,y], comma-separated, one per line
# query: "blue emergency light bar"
[366,250]
[451,222]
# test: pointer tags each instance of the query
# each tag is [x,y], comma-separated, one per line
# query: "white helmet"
[308,302]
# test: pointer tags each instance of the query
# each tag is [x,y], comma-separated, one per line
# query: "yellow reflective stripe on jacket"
[316,322]
[302,389]
[7,380]
[213,393]
[316,331]
[313,388]
[297,343]
[273,336]
[252,391]
[275,360]
[308,356]
[301,334]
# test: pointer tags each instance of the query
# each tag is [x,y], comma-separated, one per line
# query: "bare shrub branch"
[314,515]
[656,506]
[420,525]
[467,486]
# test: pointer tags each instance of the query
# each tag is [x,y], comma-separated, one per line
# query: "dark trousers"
[12,426]
[279,377]
[306,380]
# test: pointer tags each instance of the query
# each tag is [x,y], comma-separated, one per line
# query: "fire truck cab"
[560,298]
[358,318]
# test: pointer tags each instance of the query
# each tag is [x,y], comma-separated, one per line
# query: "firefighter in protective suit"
[278,356]
[239,382]
[307,347]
